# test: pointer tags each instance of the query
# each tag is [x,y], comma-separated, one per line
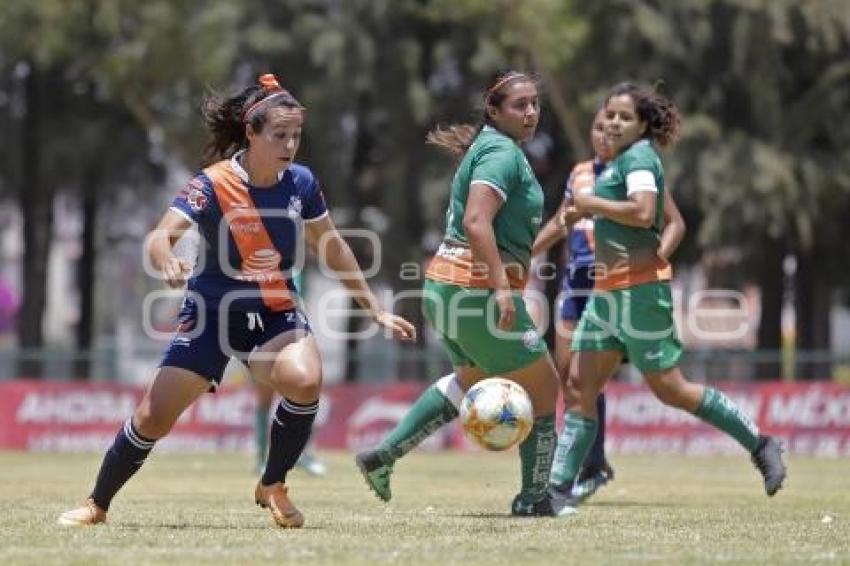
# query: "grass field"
[447,509]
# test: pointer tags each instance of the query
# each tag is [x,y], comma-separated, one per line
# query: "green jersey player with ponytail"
[472,293]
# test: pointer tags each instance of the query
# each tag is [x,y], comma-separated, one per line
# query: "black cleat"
[588,482]
[376,473]
[541,508]
[767,457]
[546,507]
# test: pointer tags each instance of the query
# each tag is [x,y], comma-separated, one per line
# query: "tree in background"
[762,85]
[103,98]
[103,82]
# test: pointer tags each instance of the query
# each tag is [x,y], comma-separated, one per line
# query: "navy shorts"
[206,339]
[576,288]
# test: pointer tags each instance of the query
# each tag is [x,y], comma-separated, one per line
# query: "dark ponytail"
[663,120]
[226,117]
[456,138]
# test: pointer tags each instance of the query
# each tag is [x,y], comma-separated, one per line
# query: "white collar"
[240,171]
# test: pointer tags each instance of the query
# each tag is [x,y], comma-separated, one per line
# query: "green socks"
[261,435]
[535,453]
[718,410]
[431,411]
[573,445]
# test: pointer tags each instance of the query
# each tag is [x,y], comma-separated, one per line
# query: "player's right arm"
[160,245]
[481,208]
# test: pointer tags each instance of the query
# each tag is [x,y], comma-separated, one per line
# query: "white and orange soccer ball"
[496,413]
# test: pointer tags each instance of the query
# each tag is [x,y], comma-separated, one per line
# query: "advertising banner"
[811,418]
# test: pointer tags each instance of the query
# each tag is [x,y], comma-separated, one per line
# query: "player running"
[248,204]
[631,310]
[577,286]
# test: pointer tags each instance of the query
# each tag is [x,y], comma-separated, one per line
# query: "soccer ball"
[496,413]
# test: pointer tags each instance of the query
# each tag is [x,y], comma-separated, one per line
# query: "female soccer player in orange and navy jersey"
[255,208]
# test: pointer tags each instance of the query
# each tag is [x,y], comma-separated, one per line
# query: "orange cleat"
[87,514]
[274,498]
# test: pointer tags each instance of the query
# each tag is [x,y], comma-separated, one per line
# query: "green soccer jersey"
[628,255]
[497,161]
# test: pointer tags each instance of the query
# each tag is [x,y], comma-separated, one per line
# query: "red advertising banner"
[810,418]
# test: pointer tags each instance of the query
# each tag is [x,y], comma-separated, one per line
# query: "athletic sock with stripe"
[123,459]
[289,434]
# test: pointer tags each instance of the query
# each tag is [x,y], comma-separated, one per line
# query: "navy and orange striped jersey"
[580,243]
[252,235]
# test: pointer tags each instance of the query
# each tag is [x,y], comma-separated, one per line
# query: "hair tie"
[269,82]
[272,88]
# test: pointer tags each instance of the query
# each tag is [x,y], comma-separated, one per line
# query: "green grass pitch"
[447,508]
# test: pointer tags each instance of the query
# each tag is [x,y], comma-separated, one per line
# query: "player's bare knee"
[151,425]
[298,384]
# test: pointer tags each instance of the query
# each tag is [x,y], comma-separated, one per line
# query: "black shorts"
[206,339]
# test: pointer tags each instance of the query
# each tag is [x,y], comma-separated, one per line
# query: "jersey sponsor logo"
[245,227]
[449,251]
[262,264]
[651,356]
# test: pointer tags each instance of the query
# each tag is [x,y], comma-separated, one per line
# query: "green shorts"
[466,321]
[637,321]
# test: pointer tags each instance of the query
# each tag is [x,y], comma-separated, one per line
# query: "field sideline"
[447,509]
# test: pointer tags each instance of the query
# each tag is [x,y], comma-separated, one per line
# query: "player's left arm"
[329,246]
[639,208]
[674,227]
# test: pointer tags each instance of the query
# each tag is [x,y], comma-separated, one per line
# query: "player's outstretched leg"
[717,409]
[437,406]
[123,459]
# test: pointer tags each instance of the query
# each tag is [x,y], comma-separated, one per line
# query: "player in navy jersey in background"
[254,209]
[577,285]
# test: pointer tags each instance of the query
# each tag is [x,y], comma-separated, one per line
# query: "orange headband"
[272,87]
[501,83]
